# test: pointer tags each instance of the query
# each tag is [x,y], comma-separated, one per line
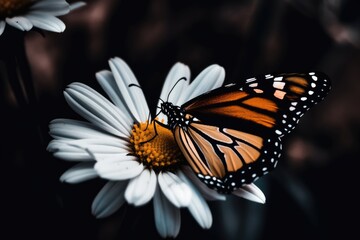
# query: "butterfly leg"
[155,130]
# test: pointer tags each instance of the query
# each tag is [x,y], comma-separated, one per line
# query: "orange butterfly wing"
[232,134]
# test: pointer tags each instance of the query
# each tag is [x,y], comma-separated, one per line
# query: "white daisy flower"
[118,144]
[26,14]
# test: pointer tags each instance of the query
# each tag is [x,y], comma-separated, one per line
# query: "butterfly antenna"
[148,118]
[147,125]
[181,79]
[148,121]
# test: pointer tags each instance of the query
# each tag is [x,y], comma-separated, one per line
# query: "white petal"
[109,199]
[112,111]
[178,192]
[142,188]
[210,78]
[107,81]
[68,152]
[119,169]
[78,150]
[200,210]
[2,26]
[84,156]
[208,193]
[132,96]
[198,207]
[75,157]
[177,72]
[96,110]
[76,5]
[20,23]
[46,22]
[79,173]
[99,145]
[250,192]
[167,217]
[73,129]
[55,8]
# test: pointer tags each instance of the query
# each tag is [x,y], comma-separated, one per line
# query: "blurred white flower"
[26,14]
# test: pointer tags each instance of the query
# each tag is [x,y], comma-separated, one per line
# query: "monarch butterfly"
[232,135]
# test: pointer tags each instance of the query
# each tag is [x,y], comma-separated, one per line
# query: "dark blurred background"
[313,192]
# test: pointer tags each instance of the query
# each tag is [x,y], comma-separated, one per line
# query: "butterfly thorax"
[176,115]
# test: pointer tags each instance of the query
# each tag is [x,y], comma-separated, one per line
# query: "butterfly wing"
[225,158]
[273,103]
[235,131]
[296,93]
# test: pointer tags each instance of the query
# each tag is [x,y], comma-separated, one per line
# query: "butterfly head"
[175,114]
[166,108]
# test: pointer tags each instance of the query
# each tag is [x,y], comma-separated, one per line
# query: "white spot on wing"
[250,80]
[230,84]
[279,85]
[258,90]
[279,94]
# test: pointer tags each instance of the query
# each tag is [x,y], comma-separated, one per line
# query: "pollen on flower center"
[9,8]
[159,152]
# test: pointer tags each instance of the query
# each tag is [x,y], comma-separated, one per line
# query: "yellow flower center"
[10,8]
[158,152]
